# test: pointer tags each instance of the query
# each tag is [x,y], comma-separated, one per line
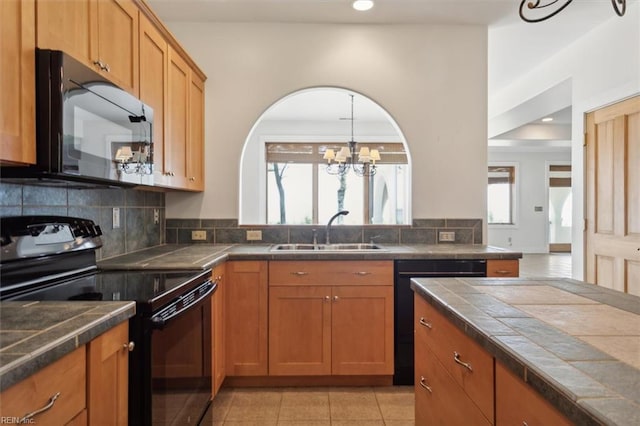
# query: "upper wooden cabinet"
[195,147]
[17,82]
[154,59]
[179,86]
[101,33]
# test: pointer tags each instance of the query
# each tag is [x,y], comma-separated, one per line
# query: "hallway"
[545,265]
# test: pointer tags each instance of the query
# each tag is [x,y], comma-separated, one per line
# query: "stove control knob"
[129,346]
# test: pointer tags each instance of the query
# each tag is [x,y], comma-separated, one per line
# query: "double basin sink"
[358,247]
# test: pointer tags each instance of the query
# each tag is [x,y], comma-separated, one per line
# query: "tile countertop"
[577,344]
[36,334]
[202,256]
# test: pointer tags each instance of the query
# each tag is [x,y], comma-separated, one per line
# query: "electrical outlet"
[198,235]
[254,235]
[116,217]
[447,236]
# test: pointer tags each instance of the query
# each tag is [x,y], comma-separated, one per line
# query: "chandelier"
[339,163]
[619,6]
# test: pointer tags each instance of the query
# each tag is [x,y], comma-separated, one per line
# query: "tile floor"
[391,406]
[546,265]
[366,406]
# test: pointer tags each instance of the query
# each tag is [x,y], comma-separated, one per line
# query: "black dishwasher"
[403,303]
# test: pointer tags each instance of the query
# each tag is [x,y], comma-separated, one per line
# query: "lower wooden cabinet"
[503,268]
[218,368]
[440,400]
[325,320]
[519,404]
[108,377]
[246,316]
[61,384]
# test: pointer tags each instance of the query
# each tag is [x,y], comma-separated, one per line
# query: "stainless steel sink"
[359,247]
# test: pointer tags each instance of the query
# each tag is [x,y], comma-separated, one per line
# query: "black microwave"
[88,130]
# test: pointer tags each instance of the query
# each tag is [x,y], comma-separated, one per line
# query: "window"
[300,191]
[500,195]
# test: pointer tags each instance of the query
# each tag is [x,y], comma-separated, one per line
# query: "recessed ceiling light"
[362,5]
[547,119]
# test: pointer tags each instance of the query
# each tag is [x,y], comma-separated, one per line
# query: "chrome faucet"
[328,229]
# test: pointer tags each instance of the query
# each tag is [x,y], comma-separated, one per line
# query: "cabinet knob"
[327,298]
[335,298]
[192,179]
[129,346]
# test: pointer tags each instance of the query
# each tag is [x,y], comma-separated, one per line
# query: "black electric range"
[54,258]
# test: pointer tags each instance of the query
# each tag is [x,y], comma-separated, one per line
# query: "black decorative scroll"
[619,6]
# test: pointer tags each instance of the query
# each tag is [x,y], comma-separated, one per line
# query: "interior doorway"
[560,208]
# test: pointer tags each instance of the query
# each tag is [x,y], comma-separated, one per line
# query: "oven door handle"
[158,322]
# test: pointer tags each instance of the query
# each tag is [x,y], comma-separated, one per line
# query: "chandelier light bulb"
[362,5]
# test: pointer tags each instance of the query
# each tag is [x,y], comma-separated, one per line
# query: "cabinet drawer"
[503,268]
[67,376]
[439,398]
[469,365]
[518,404]
[341,272]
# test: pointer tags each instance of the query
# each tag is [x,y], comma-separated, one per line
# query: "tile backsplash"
[422,231]
[138,228]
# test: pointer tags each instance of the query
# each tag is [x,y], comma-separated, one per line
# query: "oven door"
[181,359]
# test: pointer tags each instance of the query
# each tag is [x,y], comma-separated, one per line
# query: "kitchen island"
[576,345]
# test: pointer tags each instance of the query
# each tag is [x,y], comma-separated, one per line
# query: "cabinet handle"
[425,323]
[28,417]
[525,423]
[502,272]
[300,273]
[335,298]
[192,179]
[106,68]
[362,273]
[327,298]
[129,346]
[99,64]
[219,278]
[424,385]
[456,358]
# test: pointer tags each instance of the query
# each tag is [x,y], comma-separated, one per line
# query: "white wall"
[529,234]
[431,79]
[604,66]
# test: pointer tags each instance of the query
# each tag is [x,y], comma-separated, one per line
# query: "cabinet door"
[439,399]
[17,82]
[218,327]
[362,330]
[195,143]
[299,331]
[465,360]
[154,57]
[66,25]
[117,42]
[108,377]
[246,296]
[518,404]
[177,129]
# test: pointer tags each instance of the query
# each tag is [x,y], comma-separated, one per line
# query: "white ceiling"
[515,47]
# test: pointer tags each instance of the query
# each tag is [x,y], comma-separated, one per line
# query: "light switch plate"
[254,235]
[447,236]
[198,235]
